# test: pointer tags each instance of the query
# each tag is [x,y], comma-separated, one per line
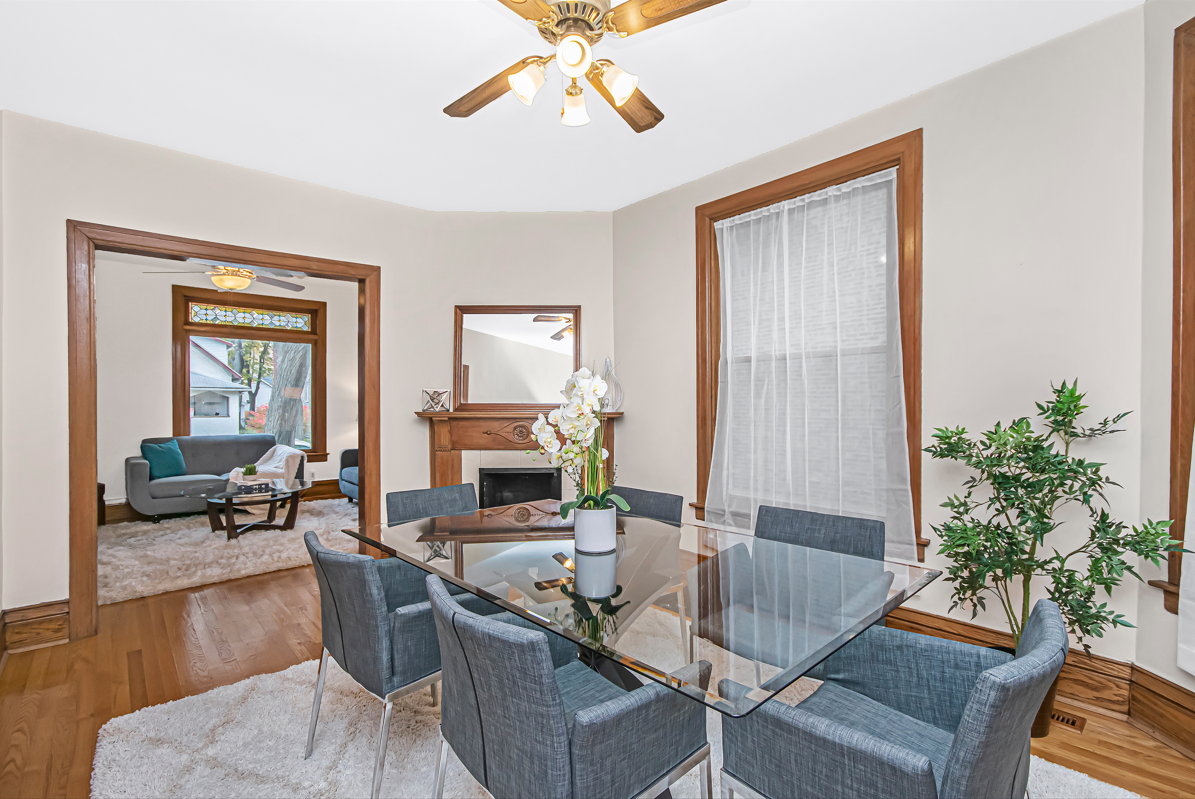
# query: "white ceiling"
[521,328]
[349,95]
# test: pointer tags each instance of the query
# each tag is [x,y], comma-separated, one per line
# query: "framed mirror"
[514,357]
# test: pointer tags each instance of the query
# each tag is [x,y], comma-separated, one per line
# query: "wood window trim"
[182,329]
[904,152]
[82,241]
[1182,366]
[460,386]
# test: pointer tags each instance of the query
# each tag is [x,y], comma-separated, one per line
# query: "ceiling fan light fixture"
[526,82]
[231,282]
[574,114]
[620,83]
[574,55]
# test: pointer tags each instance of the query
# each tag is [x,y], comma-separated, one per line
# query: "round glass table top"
[224,490]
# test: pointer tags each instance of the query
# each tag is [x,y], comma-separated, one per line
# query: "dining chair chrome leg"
[707,778]
[684,632]
[435,693]
[319,694]
[441,767]
[380,764]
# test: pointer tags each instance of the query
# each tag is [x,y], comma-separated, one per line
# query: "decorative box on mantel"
[451,432]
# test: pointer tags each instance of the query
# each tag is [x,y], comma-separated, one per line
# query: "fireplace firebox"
[512,485]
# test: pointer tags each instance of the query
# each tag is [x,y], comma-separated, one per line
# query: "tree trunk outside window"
[284,416]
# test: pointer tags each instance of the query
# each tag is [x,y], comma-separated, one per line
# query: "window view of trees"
[267,383]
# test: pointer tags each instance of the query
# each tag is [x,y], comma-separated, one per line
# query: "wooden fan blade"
[543,317]
[484,94]
[639,112]
[559,334]
[634,16]
[533,10]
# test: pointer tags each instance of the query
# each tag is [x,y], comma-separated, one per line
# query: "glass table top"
[763,613]
[226,489]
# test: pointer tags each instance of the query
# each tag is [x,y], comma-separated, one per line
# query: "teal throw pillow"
[165,460]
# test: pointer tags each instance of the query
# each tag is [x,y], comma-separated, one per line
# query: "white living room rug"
[247,740]
[143,558]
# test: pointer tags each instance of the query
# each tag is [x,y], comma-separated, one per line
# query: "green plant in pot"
[250,470]
[996,534]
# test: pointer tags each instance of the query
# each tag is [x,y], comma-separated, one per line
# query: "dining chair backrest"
[990,753]
[846,535]
[651,504]
[353,614]
[423,503]
[502,712]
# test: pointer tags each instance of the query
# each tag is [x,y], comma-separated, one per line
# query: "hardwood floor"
[156,649]
[150,650]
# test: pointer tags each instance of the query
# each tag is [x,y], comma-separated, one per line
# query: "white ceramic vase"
[595,531]
[595,576]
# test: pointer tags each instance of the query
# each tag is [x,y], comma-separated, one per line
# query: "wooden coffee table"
[226,498]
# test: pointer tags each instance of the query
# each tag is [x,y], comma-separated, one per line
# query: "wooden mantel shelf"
[451,432]
[497,414]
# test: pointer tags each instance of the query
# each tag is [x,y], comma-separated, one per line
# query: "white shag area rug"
[248,739]
[143,558]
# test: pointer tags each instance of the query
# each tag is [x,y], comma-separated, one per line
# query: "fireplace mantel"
[451,432]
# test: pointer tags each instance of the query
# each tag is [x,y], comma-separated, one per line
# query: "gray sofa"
[209,459]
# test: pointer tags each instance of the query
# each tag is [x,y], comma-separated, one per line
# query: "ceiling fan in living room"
[237,277]
[573,28]
[567,330]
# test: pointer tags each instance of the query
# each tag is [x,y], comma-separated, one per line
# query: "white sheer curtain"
[811,410]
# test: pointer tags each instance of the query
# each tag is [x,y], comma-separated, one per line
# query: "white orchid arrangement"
[578,420]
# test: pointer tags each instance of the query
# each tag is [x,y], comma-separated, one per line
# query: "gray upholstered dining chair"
[652,504]
[901,714]
[424,503]
[847,535]
[377,624]
[529,720]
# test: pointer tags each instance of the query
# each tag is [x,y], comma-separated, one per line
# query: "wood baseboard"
[35,626]
[1095,682]
[123,511]
[1163,710]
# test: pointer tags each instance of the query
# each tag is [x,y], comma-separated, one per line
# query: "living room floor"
[155,649]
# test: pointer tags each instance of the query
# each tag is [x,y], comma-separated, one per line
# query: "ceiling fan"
[573,27]
[567,330]
[237,277]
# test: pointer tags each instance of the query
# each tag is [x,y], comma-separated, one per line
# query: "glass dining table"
[762,613]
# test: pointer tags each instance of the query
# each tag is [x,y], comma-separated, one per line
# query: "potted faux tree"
[995,535]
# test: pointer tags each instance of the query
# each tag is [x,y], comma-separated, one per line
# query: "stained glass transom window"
[209,313]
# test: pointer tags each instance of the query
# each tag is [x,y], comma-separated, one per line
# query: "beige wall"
[503,370]
[134,367]
[1032,268]
[430,263]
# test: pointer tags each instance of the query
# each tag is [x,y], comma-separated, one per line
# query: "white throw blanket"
[279,463]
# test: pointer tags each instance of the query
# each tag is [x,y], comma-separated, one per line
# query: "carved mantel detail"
[451,432]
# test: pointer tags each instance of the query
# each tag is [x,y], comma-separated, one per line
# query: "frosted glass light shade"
[526,82]
[620,83]
[573,55]
[231,282]
[574,114]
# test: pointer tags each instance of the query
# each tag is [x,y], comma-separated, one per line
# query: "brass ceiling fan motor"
[573,27]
